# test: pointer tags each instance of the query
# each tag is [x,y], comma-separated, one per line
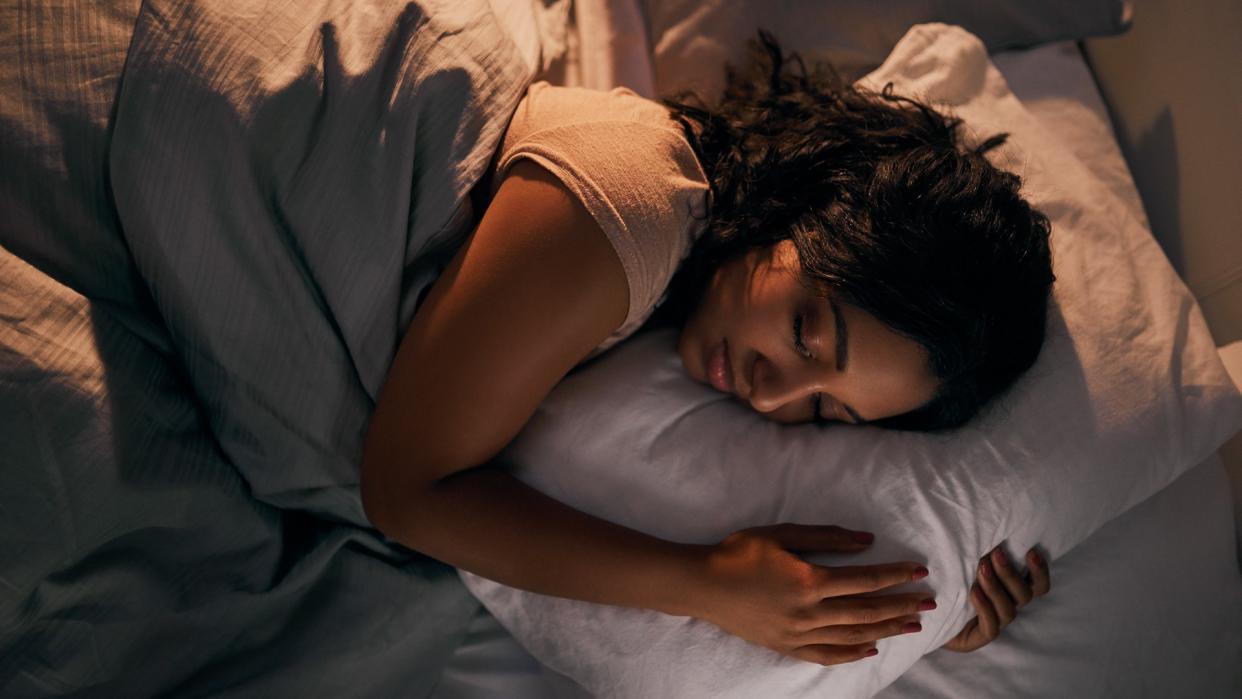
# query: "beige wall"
[1174,86]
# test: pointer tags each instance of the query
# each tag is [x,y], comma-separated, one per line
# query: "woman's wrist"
[684,581]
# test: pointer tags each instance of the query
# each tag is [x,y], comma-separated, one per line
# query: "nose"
[776,384]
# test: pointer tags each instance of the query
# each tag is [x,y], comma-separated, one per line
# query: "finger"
[1000,599]
[870,610]
[819,537]
[966,640]
[1041,579]
[1018,589]
[834,655]
[989,625]
[854,634]
[853,580]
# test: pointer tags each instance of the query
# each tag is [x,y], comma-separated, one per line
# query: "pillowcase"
[1127,394]
[692,39]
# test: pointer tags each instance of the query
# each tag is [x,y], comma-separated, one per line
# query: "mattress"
[1127,579]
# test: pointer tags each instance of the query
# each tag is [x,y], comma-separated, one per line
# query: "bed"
[1122,598]
[1108,619]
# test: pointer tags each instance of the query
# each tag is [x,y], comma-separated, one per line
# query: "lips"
[719,372]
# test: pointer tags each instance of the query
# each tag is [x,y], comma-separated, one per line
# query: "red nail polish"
[985,570]
[1036,558]
[912,627]
[864,537]
[927,605]
[871,653]
[920,573]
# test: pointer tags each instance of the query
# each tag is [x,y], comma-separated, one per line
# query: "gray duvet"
[215,220]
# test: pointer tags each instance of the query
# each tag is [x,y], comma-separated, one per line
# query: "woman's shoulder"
[614,135]
[624,156]
[629,163]
[617,125]
[550,106]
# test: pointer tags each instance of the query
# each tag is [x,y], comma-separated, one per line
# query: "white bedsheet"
[1148,607]
[1123,579]
[1156,588]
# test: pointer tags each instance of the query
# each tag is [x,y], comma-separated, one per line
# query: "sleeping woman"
[829,255]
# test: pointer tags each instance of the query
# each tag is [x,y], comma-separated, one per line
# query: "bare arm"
[486,521]
[532,292]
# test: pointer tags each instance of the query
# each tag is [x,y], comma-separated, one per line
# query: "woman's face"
[762,336]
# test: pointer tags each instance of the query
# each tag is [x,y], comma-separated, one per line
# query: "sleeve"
[644,187]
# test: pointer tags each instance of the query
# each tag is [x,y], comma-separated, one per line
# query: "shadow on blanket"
[135,560]
[139,555]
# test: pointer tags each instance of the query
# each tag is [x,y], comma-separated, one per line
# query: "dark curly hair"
[887,207]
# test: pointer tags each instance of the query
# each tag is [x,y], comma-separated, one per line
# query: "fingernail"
[872,652]
[927,605]
[985,570]
[920,573]
[1035,557]
[864,537]
[1001,559]
[912,627]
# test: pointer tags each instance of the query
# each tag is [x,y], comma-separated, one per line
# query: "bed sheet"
[1121,579]
[1148,607]
[1121,596]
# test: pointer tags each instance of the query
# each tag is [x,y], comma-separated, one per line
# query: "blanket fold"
[217,220]
[279,171]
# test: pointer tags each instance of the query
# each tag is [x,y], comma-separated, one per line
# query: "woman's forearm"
[487,522]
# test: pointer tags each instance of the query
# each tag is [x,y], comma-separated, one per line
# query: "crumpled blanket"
[206,262]
[289,176]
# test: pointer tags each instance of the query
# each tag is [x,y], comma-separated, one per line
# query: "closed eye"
[800,346]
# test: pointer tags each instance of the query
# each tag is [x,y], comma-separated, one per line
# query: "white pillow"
[1127,394]
[692,39]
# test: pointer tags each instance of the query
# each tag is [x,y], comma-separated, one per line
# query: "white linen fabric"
[60,66]
[1147,608]
[289,178]
[1089,639]
[136,561]
[611,47]
[1127,394]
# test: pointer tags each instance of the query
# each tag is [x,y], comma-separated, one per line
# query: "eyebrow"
[843,355]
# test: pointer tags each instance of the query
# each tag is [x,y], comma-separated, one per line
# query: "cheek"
[896,392]
[791,413]
[718,305]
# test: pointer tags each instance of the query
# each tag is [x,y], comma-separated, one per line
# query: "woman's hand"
[757,588]
[998,592]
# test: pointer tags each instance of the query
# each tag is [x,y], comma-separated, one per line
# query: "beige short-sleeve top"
[630,165]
